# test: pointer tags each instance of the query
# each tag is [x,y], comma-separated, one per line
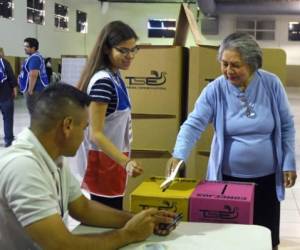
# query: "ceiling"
[149,1]
[193,1]
[256,7]
[254,1]
[216,7]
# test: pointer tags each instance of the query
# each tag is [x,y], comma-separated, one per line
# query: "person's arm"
[109,217]
[171,165]
[15,92]
[192,129]
[33,75]
[288,137]
[34,65]
[11,78]
[51,234]
[97,120]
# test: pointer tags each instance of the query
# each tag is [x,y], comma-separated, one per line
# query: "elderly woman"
[254,129]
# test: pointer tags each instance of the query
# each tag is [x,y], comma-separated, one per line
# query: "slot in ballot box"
[222,202]
[176,198]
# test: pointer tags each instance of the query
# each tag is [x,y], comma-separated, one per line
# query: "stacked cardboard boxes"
[157,85]
[155,82]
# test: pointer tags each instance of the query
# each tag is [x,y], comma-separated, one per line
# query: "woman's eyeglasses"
[126,51]
[250,113]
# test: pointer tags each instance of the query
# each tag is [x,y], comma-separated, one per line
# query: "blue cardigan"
[209,108]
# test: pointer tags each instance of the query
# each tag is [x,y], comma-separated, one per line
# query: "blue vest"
[42,80]
[121,92]
[3,75]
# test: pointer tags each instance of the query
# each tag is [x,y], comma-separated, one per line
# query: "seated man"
[40,190]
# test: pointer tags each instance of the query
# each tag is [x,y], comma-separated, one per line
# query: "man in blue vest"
[8,91]
[33,77]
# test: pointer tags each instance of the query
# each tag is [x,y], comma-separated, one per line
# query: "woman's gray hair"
[246,46]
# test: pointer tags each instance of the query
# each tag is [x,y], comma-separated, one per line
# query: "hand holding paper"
[171,177]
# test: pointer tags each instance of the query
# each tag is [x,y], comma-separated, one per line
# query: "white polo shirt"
[32,184]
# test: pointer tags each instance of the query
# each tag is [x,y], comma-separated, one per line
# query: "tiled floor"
[290,208]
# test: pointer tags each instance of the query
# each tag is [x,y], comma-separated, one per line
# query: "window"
[6,9]
[36,11]
[263,30]
[61,19]
[81,22]
[294,31]
[161,27]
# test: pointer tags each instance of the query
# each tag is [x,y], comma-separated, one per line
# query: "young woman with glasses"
[110,132]
[254,138]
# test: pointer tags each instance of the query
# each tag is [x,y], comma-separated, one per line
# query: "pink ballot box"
[222,202]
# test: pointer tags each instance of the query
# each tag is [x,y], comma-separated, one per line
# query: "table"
[202,236]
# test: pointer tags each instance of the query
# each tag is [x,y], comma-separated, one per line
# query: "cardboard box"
[196,166]
[274,60]
[153,163]
[222,202]
[201,164]
[154,133]
[155,80]
[175,198]
[292,75]
[203,68]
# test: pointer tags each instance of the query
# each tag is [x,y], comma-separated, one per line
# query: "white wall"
[292,48]
[54,42]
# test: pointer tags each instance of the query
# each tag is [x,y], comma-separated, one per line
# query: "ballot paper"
[171,177]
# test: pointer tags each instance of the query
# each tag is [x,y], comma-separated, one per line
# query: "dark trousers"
[7,110]
[266,204]
[30,101]
[116,202]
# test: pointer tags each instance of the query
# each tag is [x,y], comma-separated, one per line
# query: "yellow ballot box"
[175,198]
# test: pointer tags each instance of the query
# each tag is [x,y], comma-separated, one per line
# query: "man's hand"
[289,178]
[143,224]
[133,168]
[140,226]
[15,92]
[171,165]
[165,218]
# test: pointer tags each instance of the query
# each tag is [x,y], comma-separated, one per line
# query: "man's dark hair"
[55,103]
[32,42]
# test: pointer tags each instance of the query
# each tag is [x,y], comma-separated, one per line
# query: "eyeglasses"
[126,51]
[250,113]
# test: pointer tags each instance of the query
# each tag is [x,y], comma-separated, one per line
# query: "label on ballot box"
[222,202]
[176,198]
